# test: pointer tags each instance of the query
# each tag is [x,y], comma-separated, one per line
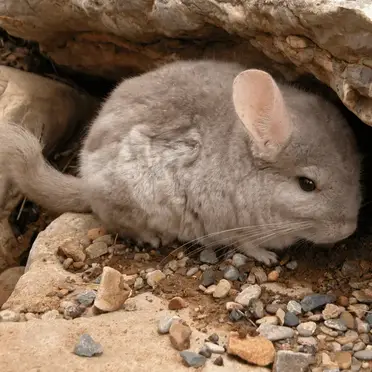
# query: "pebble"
[359,346]
[239,260]
[358,309]
[287,360]
[369,319]
[96,250]
[208,278]
[218,361]
[205,352]
[343,359]
[364,296]
[51,315]
[179,335]
[274,332]
[248,294]
[73,311]
[255,350]
[347,319]
[208,256]
[363,354]
[273,276]
[268,320]
[292,265]
[235,315]
[95,233]
[138,283]
[177,303]
[336,324]
[73,250]
[315,301]
[362,327]
[86,298]
[67,263]
[173,265]
[165,323]
[307,341]
[192,359]
[260,274]
[294,307]
[214,338]
[343,301]
[87,347]
[154,278]
[280,315]
[222,289]
[210,289]
[107,239]
[231,273]
[9,316]
[257,309]
[328,331]
[291,320]
[233,305]
[331,311]
[306,329]
[141,257]
[348,337]
[112,291]
[192,271]
[214,348]
[273,308]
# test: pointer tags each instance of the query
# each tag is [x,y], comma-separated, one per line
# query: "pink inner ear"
[260,106]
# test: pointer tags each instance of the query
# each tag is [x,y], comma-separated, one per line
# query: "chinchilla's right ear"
[260,106]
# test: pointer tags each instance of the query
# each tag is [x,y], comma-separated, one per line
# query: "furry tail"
[22,160]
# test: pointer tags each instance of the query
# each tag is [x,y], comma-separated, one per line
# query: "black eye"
[306,184]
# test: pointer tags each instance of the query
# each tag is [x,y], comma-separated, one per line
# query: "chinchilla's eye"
[306,184]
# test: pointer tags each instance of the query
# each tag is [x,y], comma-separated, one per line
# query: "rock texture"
[329,39]
[52,111]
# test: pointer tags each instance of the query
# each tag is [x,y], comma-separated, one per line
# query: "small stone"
[205,352]
[359,346]
[107,239]
[273,276]
[172,265]
[141,257]
[335,346]
[307,341]
[255,350]
[268,320]
[179,335]
[208,278]
[291,320]
[260,274]
[214,348]
[314,301]
[183,262]
[369,319]
[233,305]
[67,263]
[331,311]
[218,361]
[348,337]
[72,311]
[192,271]
[208,256]
[362,327]
[9,316]
[214,338]
[343,359]
[273,308]
[364,354]
[72,249]
[294,307]
[204,267]
[358,309]
[231,273]
[86,298]
[51,315]
[235,315]
[177,303]
[78,265]
[154,278]
[239,260]
[210,289]
[347,319]
[87,347]
[257,309]
[165,323]
[287,360]
[222,289]
[96,250]
[248,294]
[336,324]
[112,292]
[280,315]
[364,296]
[356,365]
[306,329]
[343,301]
[95,233]
[192,359]
[275,333]
[138,284]
[292,265]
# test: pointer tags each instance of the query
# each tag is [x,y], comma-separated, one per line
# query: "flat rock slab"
[129,339]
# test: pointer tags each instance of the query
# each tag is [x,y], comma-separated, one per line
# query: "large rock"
[51,110]
[329,39]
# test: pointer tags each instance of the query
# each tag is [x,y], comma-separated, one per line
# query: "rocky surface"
[299,36]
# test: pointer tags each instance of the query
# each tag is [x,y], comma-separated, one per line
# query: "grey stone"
[214,338]
[294,307]
[239,259]
[86,298]
[290,361]
[257,309]
[291,320]
[292,265]
[336,324]
[96,250]
[208,256]
[306,329]
[235,315]
[214,348]
[315,301]
[248,294]
[165,323]
[87,347]
[205,352]
[192,271]
[208,278]
[369,319]
[231,273]
[274,332]
[364,354]
[193,359]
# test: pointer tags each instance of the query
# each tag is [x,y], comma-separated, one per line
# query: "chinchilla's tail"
[22,161]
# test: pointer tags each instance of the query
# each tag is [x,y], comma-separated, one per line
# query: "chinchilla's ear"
[260,107]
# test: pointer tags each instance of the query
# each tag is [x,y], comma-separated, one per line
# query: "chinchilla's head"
[305,158]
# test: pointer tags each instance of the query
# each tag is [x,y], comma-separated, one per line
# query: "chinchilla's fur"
[204,149]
